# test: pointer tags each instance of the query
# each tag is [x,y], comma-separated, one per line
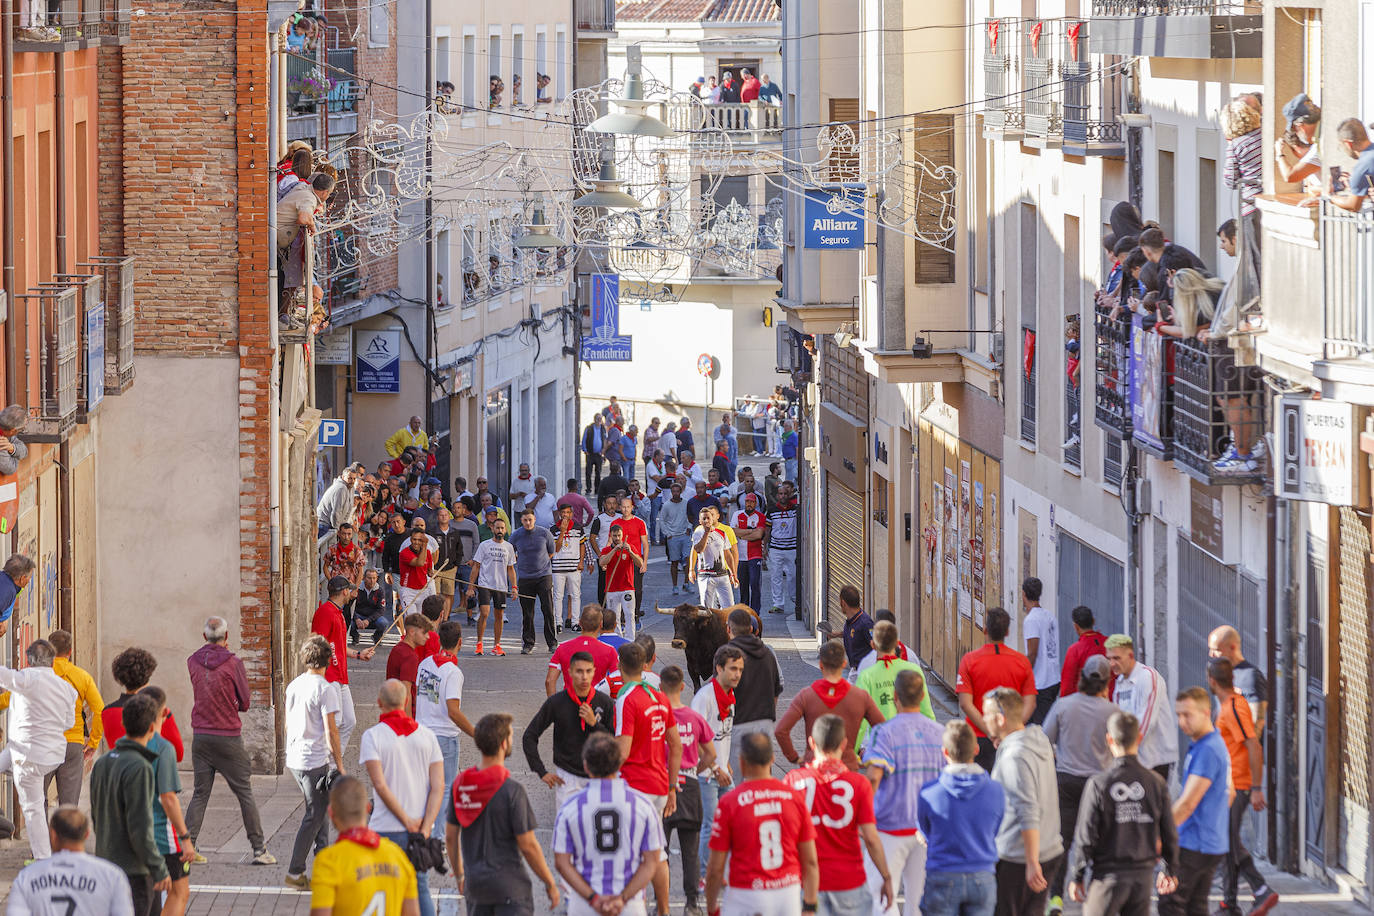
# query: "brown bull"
[700,631]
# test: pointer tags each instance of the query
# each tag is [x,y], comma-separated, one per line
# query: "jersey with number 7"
[760,823]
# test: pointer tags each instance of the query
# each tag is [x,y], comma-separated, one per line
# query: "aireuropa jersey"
[606,828]
[760,824]
[71,884]
[841,802]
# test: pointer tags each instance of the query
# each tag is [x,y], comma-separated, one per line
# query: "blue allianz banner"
[603,341]
[378,366]
[834,218]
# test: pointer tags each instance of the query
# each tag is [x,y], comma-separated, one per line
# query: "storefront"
[843,454]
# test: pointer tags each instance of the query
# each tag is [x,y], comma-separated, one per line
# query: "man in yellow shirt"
[83,738]
[407,436]
[363,872]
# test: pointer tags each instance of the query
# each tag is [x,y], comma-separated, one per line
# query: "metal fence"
[1173,7]
[1215,403]
[1348,252]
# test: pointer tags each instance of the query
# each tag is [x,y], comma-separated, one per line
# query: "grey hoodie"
[1025,768]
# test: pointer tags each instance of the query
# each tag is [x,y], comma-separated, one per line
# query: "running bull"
[700,631]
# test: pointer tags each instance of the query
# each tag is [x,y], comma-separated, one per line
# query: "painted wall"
[168,479]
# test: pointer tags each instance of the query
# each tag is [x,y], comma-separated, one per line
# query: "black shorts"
[493,597]
[688,813]
[176,868]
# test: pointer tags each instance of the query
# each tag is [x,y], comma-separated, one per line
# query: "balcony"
[1043,122]
[117,289]
[1113,335]
[54,27]
[1197,29]
[595,16]
[115,19]
[58,359]
[1092,100]
[1150,393]
[744,122]
[1002,113]
[322,94]
[1216,402]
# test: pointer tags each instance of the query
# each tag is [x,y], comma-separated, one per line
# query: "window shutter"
[934,141]
[844,159]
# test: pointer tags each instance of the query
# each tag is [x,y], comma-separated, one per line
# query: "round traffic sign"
[705,365]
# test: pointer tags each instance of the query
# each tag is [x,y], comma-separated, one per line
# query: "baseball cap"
[434,481]
[492,510]
[1300,107]
[338,584]
[1098,666]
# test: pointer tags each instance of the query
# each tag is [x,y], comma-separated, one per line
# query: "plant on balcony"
[314,85]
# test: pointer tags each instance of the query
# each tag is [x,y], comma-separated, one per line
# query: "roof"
[697,11]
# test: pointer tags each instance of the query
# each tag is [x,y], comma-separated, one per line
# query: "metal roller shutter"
[1356,667]
[1089,577]
[844,534]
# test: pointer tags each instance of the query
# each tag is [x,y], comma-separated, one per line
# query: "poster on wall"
[965,530]
[25,617]
[934,580]
[977,550]
[951,532]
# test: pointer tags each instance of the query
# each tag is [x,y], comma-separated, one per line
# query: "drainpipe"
[274,394]
[429,221]
[7,138]
[64,463]
[1287,768]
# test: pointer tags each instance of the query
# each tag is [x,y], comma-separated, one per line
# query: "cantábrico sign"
[1318,448]
[834,218]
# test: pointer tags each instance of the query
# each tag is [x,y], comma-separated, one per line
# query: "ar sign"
[834,218]
[331,434]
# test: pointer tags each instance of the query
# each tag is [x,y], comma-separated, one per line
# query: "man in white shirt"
[491,579]
[689,471]
[520,488]
[1141,691]
[312,746]
[42,708]
[88,885]
[439,701]
[715,702]
[1041,629]
[710,571]
[543,503]
[406,767]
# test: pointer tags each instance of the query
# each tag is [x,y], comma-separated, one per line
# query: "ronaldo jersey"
[354,879]
[71,884]
[606,828]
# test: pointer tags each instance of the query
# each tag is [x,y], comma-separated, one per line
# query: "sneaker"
[1226,909]
[1056,907]
[505,619]
[478,650]
[472,621]
[1259,448]
[560,627]
[574,626]
[775,610]
[263,857]
[1071,442]
[1235,463]
[497,650]
[1265,902]
[199,859]
[528,650]
[300,882]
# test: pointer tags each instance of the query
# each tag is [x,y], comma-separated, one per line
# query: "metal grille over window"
[1219,410]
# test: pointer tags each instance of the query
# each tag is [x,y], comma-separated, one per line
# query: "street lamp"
[631,120]
[538,234]
[607,191]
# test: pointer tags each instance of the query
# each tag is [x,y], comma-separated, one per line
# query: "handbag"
[426,853]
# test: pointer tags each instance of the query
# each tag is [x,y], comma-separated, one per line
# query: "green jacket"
[878,679]
[122,799]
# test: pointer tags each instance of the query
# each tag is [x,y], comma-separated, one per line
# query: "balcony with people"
[1196,29]
[43,27]
[322,90]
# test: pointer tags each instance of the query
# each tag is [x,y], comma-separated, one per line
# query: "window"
[1073,376]
[560,76]
[844,152]
[1029,247]
[378,25]
[441,59]
[934,142]
[443,279]
[1207,212]
[1165,180]
[517,69]
[541,66]
[472,278]
[1111,458]
[496,86]
[469,71]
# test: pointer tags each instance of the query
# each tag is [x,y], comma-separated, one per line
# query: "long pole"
[429,220]
[7,139]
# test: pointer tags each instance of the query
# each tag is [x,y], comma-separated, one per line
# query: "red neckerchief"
[724,455]
[400,723]
[580,703]
[831,694]
[362,836]
[563,531]
[442,658]
[725,701]
[472,790]
[887,660]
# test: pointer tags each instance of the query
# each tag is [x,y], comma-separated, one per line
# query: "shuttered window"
[844,534]
[844,152]
[934,142]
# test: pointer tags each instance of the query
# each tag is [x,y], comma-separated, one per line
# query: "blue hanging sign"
[834,218]
[604,342]
[377,369]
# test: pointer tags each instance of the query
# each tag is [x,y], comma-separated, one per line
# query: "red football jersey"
[760,824]
[645,715]
[840,801]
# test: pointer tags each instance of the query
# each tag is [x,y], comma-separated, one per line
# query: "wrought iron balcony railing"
[58,355]
[1092,96]
[1112,375]
[1003,115]
[1218,407]
[1040,82]
[117,288]
[1173,7]
[1347,241]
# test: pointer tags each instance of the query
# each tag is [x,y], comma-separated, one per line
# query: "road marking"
[276,891]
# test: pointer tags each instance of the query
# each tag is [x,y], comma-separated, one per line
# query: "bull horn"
[703,612]
[670,612]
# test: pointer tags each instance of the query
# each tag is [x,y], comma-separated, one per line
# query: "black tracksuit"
[561,711]
[1125,816]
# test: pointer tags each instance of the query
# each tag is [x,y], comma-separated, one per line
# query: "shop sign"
[1318,448]
[1208,519]
[334,348]
[834,218]
[378,369]
[842,446]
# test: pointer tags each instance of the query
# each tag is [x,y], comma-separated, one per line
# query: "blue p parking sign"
[331,434]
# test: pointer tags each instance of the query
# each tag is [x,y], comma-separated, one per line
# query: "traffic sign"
[706,364]
[331,434]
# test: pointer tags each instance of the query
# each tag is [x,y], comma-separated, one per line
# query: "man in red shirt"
[622,565]
[765,830]
[637,537]
[417,569]
[329,623]
[841,803]
[749,91]
[1090,643]
[749,524]
[994,665]
[404,661]
[603,656]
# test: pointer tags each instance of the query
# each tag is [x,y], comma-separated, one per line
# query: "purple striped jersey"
[607,828]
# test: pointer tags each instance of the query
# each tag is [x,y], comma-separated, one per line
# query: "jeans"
[751,582]
[906,863]
[1195,871]
[378,625]
[540,587]
[1014,896]
[68,775]
[314,829]
[401,838]
[1239,863]
[951,893]
[28,785]
[856,902]
[790,466]
[448,746]
[570,584]
[782,578]
[710,798]
[1070,796]
[223,754]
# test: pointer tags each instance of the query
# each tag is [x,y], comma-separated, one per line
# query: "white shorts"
[572,784]
[782,901]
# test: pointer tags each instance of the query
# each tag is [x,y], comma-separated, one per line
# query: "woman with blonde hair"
[1241,123]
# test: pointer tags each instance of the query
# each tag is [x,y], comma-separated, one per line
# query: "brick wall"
[380,273]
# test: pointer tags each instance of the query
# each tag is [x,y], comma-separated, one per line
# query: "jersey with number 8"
[840,801]
[760,824]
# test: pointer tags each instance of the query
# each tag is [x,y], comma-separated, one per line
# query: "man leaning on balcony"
[1355,141]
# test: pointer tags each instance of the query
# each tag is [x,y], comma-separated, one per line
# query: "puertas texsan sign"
[1318,451]
[834,218]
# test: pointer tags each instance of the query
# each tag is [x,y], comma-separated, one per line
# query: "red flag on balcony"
[1028,351]
[1073,32]
[1035,37]
[993,26]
